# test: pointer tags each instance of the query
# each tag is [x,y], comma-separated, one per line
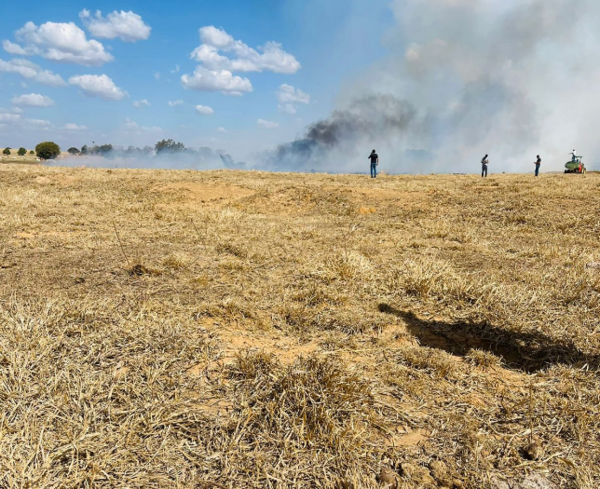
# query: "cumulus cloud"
[74,127]
[33,100]
[127,26]
[6,117]
[98,86]
[204,110]
[138,104]
[207,80]
[62,42]
[244,58]
[289,97]
[267,124]
[31,71]
[39,123]
[134,127]
[288,108]
[175,103]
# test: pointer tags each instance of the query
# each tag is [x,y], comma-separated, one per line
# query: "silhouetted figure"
[374,157]
[538,163]
[484,166]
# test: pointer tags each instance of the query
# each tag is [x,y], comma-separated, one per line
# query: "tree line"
[49,150]
[21,152]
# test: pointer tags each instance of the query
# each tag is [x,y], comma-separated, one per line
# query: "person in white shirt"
[574,154]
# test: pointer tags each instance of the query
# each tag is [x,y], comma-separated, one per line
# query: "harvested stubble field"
[223,329]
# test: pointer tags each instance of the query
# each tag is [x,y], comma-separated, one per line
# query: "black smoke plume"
[369,118]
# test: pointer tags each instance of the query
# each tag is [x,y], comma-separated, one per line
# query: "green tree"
[104,149]
[73,151]
[32,152]
[6,151]
[85,150]
[47,150]
[168,146]
[22,152]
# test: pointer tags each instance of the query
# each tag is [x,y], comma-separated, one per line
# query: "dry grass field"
[174,329]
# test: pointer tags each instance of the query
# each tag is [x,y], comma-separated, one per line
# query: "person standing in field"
[538,163]
[374,157]
[484,166]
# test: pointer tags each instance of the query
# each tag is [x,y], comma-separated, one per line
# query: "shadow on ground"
[526,351]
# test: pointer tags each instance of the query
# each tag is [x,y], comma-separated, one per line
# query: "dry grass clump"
[248,329]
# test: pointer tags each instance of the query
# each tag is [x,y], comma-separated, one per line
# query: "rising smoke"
[368,117]
[512,78]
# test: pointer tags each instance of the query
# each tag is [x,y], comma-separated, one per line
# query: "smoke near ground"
[186,159]
[466,77]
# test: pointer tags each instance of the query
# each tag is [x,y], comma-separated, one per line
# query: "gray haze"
[466,77]
[188,159]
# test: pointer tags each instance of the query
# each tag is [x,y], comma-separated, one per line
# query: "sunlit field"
[163,329]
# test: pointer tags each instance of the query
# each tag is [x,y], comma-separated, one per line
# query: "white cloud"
[245,58]
[98,86]
[40,123]
[157,75]
[176,70]
[215,81]
[289,98]
[175,103]
[12,48]
[290,95]
[31,71]
[288,108]
[135,128]
[6,117]
[74,127]
[221,129]
[267,124]
[63,42]
[204,110]
[33,100]
[127,26]
[138,104]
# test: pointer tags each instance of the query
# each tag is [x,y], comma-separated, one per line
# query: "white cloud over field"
[31,71]
[127,26]
[33,100]
[62,42]
[98,86]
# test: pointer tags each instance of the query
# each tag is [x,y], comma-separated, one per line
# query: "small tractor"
[575,165]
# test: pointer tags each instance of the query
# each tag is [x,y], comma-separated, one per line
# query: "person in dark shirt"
[374,157]
[538,163]
[484,166]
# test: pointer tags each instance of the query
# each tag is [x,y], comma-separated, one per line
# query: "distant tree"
[104,149]
[47,150]
[22,152]
[32,152]
[168,146]
[148,150]
[73,151]
[84,149]
[6,151]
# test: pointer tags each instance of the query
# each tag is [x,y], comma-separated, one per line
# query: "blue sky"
[122,72]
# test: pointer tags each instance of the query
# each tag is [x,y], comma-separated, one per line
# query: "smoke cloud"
[186,159]
[513,79]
